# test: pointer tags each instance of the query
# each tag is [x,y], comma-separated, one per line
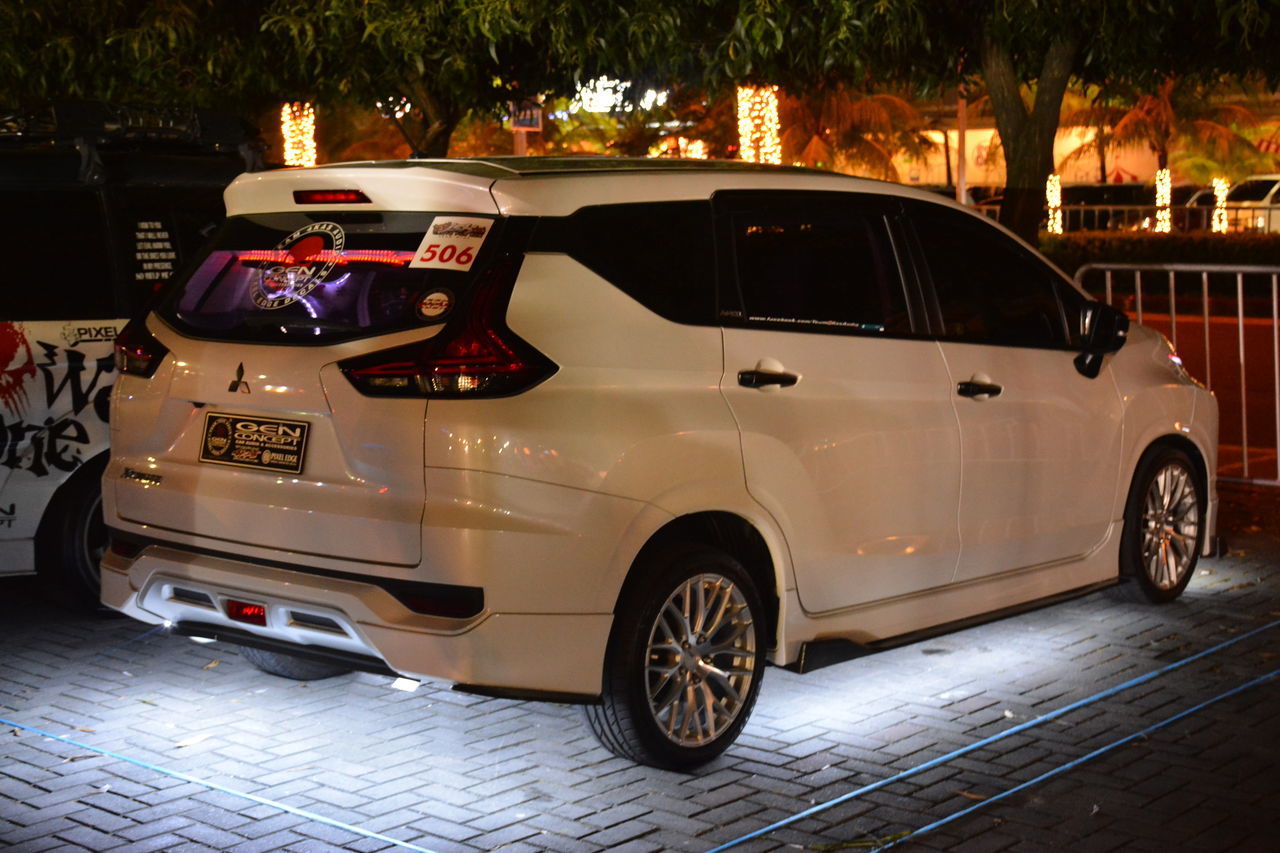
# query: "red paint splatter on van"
[17,365]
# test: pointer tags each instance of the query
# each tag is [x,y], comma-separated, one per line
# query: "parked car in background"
[619,432]
[1254,204]
[1193,211]
[104,204]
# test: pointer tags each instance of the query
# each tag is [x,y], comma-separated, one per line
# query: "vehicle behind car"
[620,432]
[1254,203]
[106,204]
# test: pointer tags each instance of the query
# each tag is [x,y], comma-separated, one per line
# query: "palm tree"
[839,128]
[1094,109]
[1181,114]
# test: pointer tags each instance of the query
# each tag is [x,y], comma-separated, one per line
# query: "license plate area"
[245,441]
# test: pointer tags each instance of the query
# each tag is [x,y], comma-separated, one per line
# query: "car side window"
[989,289]
[822,267]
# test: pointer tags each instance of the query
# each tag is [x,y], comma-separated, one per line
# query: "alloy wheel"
[1171,526]
[700,660]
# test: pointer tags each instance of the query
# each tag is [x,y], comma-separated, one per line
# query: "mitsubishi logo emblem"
[238,384]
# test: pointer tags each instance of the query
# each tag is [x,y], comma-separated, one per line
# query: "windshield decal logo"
[312,253]
[435,304]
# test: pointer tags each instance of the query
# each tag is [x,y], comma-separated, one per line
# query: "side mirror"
[1105,331]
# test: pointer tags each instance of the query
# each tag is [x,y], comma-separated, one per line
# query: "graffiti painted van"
[112,202]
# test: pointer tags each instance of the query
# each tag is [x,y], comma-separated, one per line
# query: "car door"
[1040,443]
[848,434]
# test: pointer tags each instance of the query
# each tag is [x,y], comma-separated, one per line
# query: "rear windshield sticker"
[451,243]
[435,304]
[310,254]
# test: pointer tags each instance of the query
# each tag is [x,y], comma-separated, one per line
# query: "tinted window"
[1251,190]
[317,278]
[821,266]
[160,231]
[58,260]
[989,288]
[660,254]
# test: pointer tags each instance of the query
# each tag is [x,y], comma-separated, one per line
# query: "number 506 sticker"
[451,243]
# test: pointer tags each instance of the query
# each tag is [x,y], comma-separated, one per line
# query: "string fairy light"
[758,127]
[1053,200]
[694,149]
[298,127]
[1164,195]
[1221,186]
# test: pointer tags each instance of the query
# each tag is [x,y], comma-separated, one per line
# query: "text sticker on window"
[451,243]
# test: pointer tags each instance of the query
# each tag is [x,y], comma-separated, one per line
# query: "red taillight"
[243,611]
[137,352]
[330,197]
[476,356]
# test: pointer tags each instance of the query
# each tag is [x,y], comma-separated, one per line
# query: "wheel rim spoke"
[700,660]
[1170,527]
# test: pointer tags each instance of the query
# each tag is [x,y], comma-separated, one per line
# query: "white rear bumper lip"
[540,653]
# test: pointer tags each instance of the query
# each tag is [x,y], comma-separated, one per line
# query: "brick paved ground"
[451,772]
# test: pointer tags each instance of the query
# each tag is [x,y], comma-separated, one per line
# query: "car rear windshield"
[316,277]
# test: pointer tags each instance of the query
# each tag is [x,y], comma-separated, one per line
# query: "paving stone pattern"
[452,772]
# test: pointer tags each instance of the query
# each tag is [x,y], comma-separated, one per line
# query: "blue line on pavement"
[132,640]
[216,787]
[1077,762]
[942,759]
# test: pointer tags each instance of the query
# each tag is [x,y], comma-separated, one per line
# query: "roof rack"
[85,126]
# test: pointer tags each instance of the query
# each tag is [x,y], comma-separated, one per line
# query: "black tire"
[717,668]
[72,539]
[292,666]
[1163,526]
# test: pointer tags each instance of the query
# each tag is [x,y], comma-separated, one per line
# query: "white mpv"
[622,432]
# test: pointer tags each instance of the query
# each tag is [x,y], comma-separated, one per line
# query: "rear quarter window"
[659,253]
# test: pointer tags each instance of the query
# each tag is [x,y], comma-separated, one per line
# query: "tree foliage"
[835,127]
[1025,52]
[204,53]
[449,57]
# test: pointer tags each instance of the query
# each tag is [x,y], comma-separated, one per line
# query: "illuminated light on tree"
[396,108]
[759,140]
[606,95]
[1053,199]
[1221,186]
[694,149]
[1164,194]
[680,146]
[298,127]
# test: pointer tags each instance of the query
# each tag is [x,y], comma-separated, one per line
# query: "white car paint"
[886,504]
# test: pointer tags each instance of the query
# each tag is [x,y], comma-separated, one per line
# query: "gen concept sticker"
[263,443]
[309,255]
[451,243]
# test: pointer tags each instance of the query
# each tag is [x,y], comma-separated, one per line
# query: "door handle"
[978,390]
[764,378]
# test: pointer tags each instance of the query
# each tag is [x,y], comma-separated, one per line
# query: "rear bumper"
[515,653]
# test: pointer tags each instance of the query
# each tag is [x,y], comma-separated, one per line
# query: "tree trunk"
[1101,141]
[429,132]
[946,154]
[1027,134]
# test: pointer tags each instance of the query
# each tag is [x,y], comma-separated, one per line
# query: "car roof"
[548,186]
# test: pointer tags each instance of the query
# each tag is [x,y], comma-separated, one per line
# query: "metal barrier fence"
[1224,321]
[1112,217]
